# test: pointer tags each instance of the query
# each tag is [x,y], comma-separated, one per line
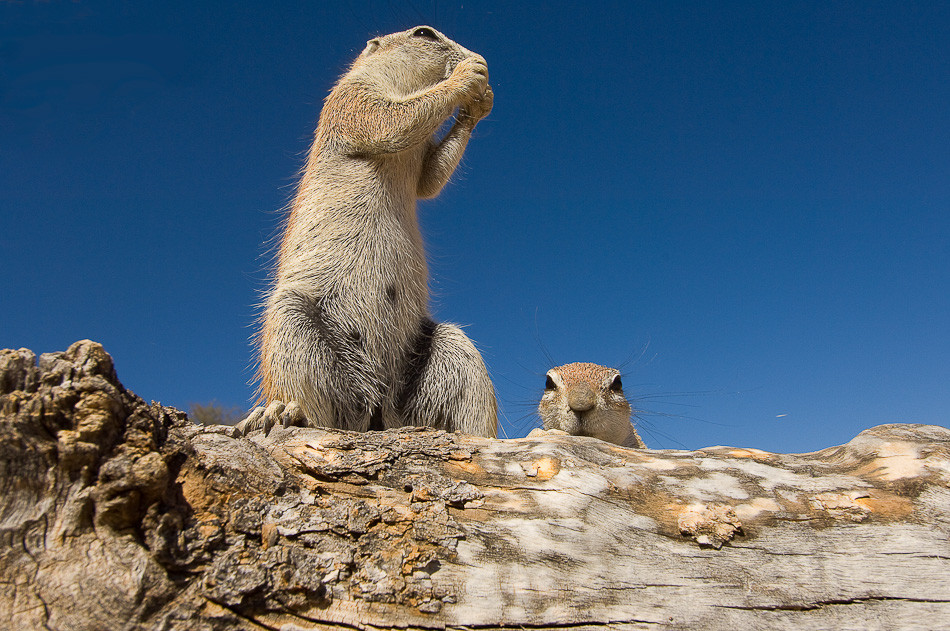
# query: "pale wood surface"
[119,515]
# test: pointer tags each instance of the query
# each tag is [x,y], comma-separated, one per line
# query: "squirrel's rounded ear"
[371,47]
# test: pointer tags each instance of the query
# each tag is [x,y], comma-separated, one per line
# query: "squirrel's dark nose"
[581,398]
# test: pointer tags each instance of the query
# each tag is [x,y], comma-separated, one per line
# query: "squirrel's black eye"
[616,385]
[425,33]
[549,384]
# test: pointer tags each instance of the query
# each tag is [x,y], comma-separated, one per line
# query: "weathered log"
[115,514]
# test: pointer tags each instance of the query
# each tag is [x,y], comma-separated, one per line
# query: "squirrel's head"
[586,400]
[414,59]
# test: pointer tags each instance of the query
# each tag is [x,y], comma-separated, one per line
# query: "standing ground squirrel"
[587,400]
[347,340]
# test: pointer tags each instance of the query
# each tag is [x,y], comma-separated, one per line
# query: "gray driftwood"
[116,514]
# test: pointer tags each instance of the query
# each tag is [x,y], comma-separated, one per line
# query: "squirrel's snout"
[581,398]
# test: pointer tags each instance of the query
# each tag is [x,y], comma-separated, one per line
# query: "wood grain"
[115,514]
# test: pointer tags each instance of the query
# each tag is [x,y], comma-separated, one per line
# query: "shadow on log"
[115,514]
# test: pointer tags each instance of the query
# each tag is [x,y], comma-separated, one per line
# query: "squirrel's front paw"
[472,74]
[477,109]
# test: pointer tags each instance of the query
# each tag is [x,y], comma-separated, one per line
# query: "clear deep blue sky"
[748,203]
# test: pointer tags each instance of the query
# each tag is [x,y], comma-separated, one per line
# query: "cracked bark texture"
[117,514]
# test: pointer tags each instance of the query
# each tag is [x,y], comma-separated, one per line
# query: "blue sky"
[745,204]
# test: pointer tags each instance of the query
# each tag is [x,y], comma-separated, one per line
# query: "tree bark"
[116,514]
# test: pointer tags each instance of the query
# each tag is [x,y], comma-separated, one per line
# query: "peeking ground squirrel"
[347,340]
[587,400]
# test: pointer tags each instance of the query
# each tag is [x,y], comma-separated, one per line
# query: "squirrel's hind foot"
[276,413]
